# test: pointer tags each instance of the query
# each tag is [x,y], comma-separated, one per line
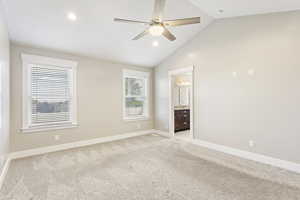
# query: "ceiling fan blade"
[169,35]
[158,10]
[141,35]
[130,21]
[181,22]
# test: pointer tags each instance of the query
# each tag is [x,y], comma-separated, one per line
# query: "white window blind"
[49,93]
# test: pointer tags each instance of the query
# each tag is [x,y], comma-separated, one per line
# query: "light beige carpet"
[142,168]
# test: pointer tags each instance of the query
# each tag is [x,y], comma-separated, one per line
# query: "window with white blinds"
[49,100]
[50,90]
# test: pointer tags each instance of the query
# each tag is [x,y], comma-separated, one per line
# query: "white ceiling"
[43,23]
[233,8]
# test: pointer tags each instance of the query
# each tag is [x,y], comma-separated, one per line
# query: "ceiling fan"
[157,26]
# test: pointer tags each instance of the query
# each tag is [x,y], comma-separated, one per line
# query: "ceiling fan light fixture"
[156,30]
[157,26]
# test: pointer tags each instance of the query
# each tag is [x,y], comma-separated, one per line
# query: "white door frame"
[171,103]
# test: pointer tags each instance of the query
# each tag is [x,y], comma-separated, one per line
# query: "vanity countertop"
[182,108]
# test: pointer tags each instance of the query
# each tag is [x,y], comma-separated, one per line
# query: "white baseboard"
[287,165]
[49,149]
[4,171]
[163,133]
[228,150]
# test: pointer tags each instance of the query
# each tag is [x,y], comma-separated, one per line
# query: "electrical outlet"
[57,137]
[251,143]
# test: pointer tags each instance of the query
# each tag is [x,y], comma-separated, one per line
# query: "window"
[136,102]
[49,93]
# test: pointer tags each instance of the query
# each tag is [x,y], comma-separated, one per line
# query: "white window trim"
[55,63]
[136,74]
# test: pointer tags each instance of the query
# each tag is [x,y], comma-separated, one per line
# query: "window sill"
[48,128]
[136,119]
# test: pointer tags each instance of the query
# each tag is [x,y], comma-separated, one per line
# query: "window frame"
[71,66]
[138,75]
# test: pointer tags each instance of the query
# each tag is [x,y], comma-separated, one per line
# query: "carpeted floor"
[142,168]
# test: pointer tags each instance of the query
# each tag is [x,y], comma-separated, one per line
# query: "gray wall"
[99,90]
[263,107]
[4,101]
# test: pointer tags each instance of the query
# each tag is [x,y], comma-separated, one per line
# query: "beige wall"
[99,90]
[4,98]
[263,107]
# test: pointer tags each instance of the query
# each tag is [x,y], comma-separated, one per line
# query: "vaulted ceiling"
[45,24]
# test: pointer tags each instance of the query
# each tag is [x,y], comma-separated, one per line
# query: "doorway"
[181,107]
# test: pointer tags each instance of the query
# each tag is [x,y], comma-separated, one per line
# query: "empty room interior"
[149,100]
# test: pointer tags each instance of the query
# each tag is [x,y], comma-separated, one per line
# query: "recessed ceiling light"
[72,16]
[155,44]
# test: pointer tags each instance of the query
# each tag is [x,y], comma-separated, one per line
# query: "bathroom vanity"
[182,119]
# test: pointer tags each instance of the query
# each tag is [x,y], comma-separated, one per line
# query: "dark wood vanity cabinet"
[182,120]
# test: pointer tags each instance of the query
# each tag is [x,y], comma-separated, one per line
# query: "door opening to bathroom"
[181,103]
